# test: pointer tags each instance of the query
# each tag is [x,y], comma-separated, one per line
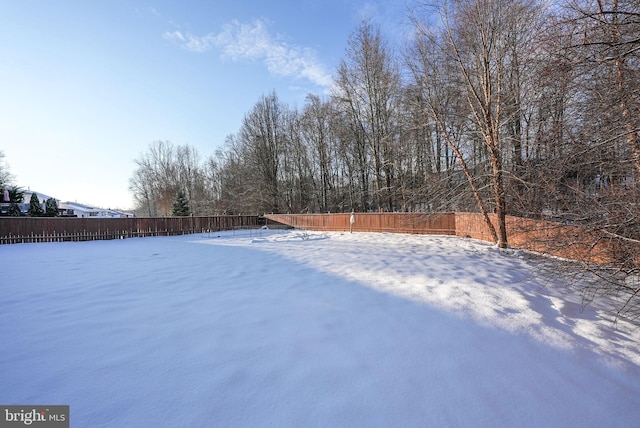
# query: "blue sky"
[87,85]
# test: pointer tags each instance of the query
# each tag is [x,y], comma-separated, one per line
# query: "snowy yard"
[337,329]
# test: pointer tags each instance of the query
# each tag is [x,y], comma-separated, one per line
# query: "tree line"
[502,107]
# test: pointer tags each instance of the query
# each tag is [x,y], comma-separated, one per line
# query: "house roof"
[40,196]
[87,208]
[81,207]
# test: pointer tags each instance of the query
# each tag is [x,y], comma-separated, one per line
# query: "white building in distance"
[74,209]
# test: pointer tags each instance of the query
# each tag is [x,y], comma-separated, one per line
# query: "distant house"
[42,198]
[24,206]
[74,209]
[65,209]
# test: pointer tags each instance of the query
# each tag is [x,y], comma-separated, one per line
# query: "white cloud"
[253,41]
[190,42]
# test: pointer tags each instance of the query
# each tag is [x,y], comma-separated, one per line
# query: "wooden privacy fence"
[553,238]
[15,230]
[440,224]
[547,237]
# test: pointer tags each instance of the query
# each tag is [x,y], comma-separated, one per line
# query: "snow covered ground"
[307,329]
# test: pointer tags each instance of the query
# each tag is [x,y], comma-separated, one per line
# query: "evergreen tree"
[180,207]
[35,209]
[16,197]
[51,208]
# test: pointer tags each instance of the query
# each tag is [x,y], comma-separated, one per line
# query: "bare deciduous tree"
[162,171]
[479,43]
[368,89]
[5,174]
